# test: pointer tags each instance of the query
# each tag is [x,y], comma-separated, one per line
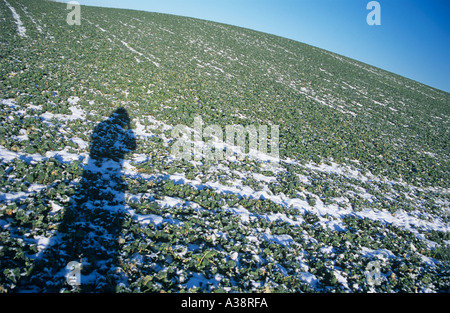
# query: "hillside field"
[87,113]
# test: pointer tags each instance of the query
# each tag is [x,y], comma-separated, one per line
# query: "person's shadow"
[90,229]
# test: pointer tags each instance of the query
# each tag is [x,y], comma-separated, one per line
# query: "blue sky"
[413,39]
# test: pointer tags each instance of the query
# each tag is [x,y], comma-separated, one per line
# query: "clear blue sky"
[413,39]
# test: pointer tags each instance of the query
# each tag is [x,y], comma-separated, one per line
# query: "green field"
[363,174]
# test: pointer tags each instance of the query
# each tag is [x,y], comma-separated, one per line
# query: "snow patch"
[20,28]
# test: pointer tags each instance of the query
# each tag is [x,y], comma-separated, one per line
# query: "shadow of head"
[113,137]
[120,117]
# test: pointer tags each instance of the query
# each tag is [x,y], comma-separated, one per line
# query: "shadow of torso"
[91,225]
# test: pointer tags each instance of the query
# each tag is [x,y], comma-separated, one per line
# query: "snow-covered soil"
[83,180]
[264,221]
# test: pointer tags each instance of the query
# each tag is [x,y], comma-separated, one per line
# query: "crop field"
[87,173]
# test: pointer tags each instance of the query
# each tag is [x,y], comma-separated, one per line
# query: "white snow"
[284,240]
[7,155]
[198,280]
[21,195]
[264,178]
[273,217]
[42,242]
[243,213]
[382,254]
[170,202]
[10,103]
[83,144]
[340,278]
[139,53]
[73,100]
[335,212]
[20,28]
[38,27]
[77,113]
[149,219]
[64,156]
[22,135]
[400,219]
[309,278]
